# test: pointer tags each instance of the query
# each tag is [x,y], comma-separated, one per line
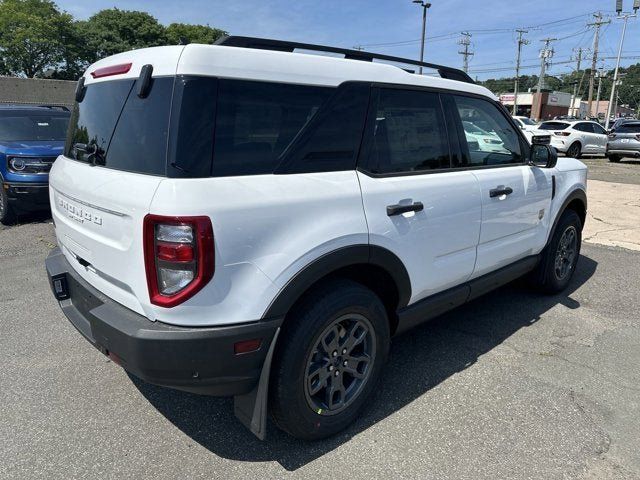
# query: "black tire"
[575,150]
[614,158]
[559,259]
[300,365]
[7,215]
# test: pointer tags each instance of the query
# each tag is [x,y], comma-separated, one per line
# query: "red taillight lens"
[562,134]
[111,70]
[179,257]
[174,252]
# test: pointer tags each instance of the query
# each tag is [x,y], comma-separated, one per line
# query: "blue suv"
[31,138]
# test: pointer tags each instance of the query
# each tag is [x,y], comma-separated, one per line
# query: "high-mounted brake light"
[178,257]
[111,70]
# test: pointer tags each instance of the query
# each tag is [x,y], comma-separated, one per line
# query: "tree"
[192,33]
[33,36]
[114,31]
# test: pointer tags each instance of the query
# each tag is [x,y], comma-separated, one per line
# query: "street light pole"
[625,17]
[425,6]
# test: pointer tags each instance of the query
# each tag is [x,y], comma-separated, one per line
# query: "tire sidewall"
[578,148]
[293,363]
[568,219]
[6,214]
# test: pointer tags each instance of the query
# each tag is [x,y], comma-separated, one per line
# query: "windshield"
[629,128]
[527,121]
[553,126]
[25,127]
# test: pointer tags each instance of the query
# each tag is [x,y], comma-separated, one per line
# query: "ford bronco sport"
[242,219]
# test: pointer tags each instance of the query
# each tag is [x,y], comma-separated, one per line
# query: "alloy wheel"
[340,364]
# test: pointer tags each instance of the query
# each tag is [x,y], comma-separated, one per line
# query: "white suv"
[238,219]
[576,137]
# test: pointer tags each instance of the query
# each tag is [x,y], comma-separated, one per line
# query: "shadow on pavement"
[418,362]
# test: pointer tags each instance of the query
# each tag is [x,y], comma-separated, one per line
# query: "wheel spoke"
[357,334]
[335,393]
[317,380]
[330,341]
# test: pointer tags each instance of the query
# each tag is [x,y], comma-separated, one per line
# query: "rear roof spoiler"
[284,46]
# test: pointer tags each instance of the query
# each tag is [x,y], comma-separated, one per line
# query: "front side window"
[409,133]
[490,138]
[598,129]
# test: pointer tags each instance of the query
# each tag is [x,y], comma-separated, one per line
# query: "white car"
[486,141]
[576,137]
[527,126]
[239,219]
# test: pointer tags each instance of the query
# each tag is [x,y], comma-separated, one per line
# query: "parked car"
[486,141]
[618,121]
[527,126]
[262,222]
[576,137]
[624,141]
[31,137]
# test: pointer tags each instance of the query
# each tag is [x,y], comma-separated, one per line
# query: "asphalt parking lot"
[513,385]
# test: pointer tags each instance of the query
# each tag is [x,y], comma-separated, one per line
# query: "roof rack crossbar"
[284,46]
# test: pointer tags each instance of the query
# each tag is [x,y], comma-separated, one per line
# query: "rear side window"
[257,121]
[114,128]
[629,128]
[490,137]
[330,142]
[409,134]
[553,126]
[583,127]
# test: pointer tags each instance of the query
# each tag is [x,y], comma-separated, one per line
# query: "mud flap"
[251,408]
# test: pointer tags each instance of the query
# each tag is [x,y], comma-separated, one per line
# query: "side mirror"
[543,156]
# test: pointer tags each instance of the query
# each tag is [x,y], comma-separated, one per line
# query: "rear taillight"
[178,257]
[638,137]
[562,134]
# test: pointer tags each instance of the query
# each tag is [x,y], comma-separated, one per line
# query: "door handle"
[398,209]
[497,192]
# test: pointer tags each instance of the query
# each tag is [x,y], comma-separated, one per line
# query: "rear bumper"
[199,360]
[28,196]
[624,152]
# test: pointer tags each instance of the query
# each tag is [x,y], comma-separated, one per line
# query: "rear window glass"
[257,121]
[553,126]
[25,127]
[629,128]
[115,128]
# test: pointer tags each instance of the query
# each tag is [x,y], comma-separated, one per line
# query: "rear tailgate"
[115,158]
[98,214]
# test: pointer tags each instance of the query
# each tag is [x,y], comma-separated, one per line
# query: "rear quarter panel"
[266,229]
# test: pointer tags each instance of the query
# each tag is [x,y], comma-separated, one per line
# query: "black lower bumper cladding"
[199,360]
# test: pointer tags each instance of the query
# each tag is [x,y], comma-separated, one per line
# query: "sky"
[393,27]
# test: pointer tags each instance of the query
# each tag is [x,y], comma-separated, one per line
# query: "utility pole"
[594,60]
[465,41]
[575,85]
[425,6]
[600,74]
[521,41]
[625,17]
[545,54]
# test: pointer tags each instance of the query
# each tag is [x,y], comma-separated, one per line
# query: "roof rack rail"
[284,46]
